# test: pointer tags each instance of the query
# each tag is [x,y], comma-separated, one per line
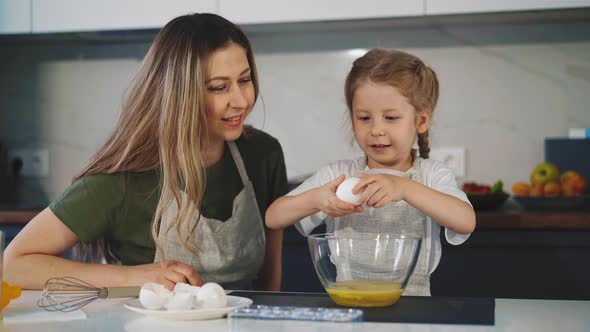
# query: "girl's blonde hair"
[403,71]
[163,123]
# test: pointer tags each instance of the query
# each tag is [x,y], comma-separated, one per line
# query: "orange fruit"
[552,189]
[537,190]
[521,189]
[572,183]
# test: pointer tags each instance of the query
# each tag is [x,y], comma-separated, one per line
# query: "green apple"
[544,173]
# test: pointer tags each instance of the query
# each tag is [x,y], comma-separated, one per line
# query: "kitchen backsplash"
[504,88]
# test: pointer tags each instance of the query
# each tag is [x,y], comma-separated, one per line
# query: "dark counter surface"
[13,216]
[533,220]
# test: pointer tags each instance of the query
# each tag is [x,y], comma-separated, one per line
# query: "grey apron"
[233,250]
[396,217]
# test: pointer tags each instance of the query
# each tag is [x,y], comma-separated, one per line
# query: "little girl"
[390,96]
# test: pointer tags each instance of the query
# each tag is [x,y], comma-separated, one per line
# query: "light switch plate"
[453,157]
[35,162]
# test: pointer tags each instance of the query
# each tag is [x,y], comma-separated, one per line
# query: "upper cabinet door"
[95,15]
[15,16]
[440,7]
[273,11]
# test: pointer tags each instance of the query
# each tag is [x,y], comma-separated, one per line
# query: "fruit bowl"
[490,201]
[364,269]
[484,197]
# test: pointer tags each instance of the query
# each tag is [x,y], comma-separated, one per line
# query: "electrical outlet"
[33,162]
[453,157]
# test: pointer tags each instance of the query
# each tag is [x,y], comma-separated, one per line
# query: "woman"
[178,191]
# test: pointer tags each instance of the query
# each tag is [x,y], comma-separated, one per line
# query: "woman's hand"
[330,204]
[168,274]
[380,189]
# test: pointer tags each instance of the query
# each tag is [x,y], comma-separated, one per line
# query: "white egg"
[183,287]
[211,295]
[154,296]
[181,301]
[186,288]
[344,191]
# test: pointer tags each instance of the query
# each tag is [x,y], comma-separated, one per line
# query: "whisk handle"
[128,291]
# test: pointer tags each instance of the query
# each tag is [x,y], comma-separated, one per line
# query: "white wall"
[503,90]
[499,102]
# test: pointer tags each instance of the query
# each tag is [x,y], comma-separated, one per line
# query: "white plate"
[233,302]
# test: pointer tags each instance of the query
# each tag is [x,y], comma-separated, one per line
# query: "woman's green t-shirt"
[120,207]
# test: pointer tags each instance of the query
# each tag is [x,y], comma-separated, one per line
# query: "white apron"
[233,250]
[396,217]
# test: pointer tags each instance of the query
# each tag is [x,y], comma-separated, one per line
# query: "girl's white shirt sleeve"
[441,178]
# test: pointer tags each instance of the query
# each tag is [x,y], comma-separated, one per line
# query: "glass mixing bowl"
[364,269]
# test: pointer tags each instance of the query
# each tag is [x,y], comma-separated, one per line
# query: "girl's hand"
[380,189]
[330,204]
[168,274]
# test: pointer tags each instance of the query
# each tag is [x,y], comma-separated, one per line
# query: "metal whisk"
[69,294]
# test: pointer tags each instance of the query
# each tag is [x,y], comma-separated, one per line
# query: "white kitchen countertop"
[111,315]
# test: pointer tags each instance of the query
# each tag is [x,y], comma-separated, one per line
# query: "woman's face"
[230,93]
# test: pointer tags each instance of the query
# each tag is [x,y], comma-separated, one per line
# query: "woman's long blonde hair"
[406,72]
[163,123]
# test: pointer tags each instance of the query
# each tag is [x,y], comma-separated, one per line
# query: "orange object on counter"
[537,190]
[521,189]
[572,184]
[9,293]
[552,189]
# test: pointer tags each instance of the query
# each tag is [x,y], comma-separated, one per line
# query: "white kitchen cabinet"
[441,7]
[15,16]
[96,15]
[272,11]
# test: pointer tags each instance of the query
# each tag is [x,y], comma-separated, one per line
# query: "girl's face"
[385,125]
[230,93]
